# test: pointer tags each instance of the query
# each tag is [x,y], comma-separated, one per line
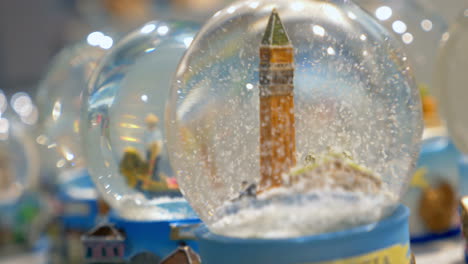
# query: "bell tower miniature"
[277,132]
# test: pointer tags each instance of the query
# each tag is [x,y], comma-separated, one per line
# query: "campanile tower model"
[277,132]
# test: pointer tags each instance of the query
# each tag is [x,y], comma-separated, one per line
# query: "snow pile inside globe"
[59,99]
[123,120]
[451,78]
[291,118]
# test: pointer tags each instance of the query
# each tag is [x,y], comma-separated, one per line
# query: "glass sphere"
[452,79]
[19,164]
[59,98]
[123,117]
[417,26]
[246,154]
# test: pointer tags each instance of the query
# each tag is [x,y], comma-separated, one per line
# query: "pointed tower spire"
[275,34]
[277,131]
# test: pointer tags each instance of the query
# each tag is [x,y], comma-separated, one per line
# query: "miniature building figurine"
[182,255]
[104,244]
[277,132]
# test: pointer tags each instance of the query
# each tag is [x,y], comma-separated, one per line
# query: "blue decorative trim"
[432,237]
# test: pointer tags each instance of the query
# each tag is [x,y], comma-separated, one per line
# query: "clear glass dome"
[417,26]
[451,77]
[123,117]
[59,98]
[274,160]
[19,164]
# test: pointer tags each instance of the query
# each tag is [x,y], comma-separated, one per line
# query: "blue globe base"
[159,238]
[81,213]
[387,241]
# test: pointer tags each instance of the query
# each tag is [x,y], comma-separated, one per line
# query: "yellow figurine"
[144,174]
[133,167]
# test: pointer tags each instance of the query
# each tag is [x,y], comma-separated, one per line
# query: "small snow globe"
[123,123]
[59,103]
[450,78]
[22,209]
[59,98]
[293,118]
[417,26]
[420,29]
[18,158]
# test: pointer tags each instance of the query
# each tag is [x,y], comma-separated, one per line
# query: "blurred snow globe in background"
[59,98]
[59,104]
[123,123]
[23,210]
[18,155]
[292,118]
[451,78]
[419,27]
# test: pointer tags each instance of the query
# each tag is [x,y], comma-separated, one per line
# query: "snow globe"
[59,104]
[420,28]
[23,211]
[295,127]
[451,78]
[123,131]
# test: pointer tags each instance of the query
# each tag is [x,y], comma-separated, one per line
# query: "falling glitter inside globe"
[123,123]
[291,118]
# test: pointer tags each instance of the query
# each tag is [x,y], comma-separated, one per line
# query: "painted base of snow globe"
[386,241]
[150,241]
[433,192]
[79,201]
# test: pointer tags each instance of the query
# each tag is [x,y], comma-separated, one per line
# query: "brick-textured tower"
[277,133]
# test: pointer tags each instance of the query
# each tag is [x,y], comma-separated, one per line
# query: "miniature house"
[182,255]
[104,244]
